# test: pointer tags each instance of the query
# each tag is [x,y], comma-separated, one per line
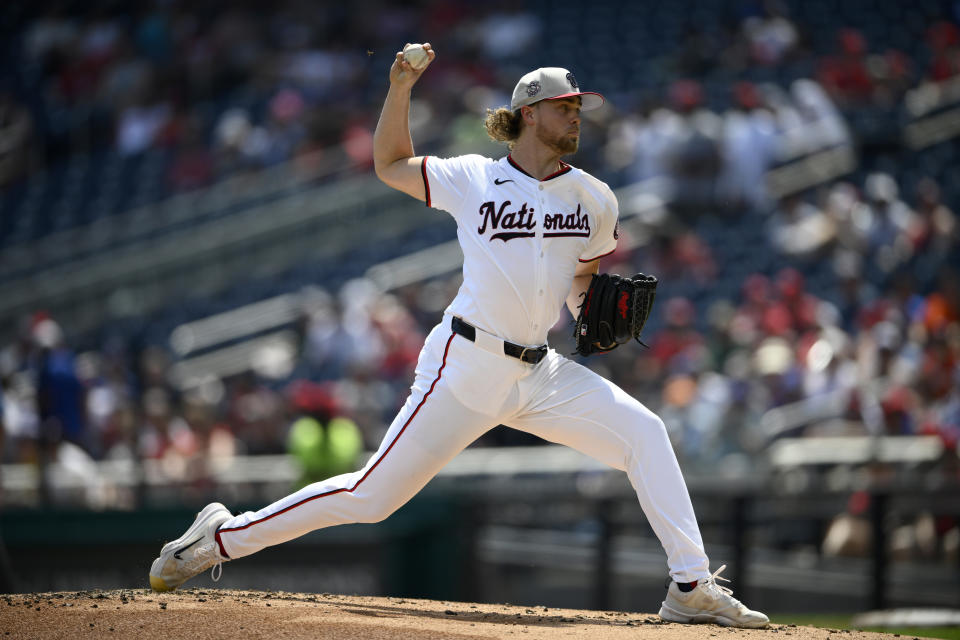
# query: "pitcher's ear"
[526,113]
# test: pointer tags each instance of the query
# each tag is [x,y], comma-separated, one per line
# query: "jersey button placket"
[541,266]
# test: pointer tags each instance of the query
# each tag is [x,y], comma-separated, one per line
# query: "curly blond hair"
[504,125]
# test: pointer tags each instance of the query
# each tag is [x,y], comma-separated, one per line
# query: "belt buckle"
[535,350]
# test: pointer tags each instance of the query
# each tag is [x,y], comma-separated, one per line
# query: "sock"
[687,587]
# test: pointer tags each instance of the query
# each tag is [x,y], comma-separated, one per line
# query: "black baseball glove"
[614,309]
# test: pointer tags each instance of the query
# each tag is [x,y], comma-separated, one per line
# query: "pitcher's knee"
[659,428]
[370,511]
[651,431]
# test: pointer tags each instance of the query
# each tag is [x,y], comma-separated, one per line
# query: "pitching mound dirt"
[207,614]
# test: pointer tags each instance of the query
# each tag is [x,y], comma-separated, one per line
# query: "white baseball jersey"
[521,238]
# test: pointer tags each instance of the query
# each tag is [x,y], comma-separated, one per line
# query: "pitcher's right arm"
[393,157]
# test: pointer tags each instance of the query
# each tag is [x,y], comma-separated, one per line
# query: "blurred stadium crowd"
[770,295]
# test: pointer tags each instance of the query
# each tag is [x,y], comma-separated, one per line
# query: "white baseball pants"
[460,392]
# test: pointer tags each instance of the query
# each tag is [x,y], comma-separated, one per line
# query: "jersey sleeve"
[447,181]
[604,241]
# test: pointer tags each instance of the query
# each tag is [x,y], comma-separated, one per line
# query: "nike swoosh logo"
[498,181]
[176,554]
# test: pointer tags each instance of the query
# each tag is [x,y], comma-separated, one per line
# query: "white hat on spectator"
[881,187]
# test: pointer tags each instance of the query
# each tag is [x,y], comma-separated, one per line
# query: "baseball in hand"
[416,56]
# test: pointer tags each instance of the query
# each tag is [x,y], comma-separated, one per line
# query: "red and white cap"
[551,83]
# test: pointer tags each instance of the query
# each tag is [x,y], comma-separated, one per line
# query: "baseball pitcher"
[533,229]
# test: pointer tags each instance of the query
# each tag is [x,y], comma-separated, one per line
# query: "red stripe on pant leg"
[370,470]
[223,551]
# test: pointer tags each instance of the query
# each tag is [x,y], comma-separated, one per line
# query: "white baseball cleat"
[709,602]
[192,552]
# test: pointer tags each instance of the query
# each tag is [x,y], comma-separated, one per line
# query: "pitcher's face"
[558,124]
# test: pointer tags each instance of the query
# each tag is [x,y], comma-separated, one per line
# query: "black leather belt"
[532,355]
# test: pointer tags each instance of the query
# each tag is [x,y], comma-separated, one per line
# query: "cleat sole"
[157,584]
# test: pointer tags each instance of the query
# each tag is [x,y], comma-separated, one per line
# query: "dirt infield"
[211,613]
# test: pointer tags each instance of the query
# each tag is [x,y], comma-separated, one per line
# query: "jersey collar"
[564,168]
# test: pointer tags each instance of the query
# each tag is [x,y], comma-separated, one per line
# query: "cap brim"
[588,99]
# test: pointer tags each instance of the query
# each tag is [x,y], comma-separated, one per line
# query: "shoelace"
[203,557]
[711,583]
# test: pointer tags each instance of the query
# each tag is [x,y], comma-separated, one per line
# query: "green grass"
[843,622]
